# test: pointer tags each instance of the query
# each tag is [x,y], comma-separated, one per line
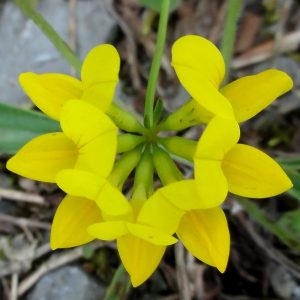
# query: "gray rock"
[284,284]
[24,47]
[67,283]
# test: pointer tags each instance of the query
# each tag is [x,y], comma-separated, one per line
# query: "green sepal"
[186,116]
[124,119]
[180,146]
[165,167]
[127,142]
[124,166]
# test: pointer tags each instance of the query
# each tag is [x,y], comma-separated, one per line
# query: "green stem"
[180,146]
[260,217]
[165,167]
[124,120]
[227,47]
[127,142]
[143,180]
[119,286]
[124,166]
[52,35]
[161,37]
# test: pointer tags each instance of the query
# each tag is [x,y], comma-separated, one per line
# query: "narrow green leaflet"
[293,163]
[290,222]
[294,176]
[156,4]
[17,126]
[159,106]
[119,286]
[48,30]
[259,215]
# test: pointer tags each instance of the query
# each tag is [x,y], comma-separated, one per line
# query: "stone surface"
[25,48]
[67,283]
[284,284]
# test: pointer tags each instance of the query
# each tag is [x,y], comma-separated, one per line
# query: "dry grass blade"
[54,262]
[21,196]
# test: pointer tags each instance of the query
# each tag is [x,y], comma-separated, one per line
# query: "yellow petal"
[217,139]
[151,234]
[139,257]
[94,134]
[80,183]
[252,173]
[50,91]
[203,115]
[251,94]
[112,202]
[212,185]
[200,68]
[99,75]
[101,64]
[100,95]
[206,236]
[108,231]
[160,213]
[72,218]
[198,53]
[43,157]
[187,194]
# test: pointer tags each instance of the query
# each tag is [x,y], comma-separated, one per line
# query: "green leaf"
[119,286]
[88,251]
[156,4]
[295,178]
[157,111]
[28,10]
[260,216]
[18,126]
[293,163]
[290,222]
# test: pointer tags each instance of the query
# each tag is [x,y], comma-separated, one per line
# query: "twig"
[182,277]
[18,266]
[264,51]
[131,51]
[21,196]
[284,13]
[14,286]
[215,32]
[54,262]
[268,249]
[24,222]
[42,250]
[5,286]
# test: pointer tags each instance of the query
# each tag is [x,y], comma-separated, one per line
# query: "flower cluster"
[90,160]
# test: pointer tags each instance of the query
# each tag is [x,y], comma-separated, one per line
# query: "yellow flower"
[140,246]
[200,68]
[99,76]
[80,208]
[200,225]
[222,165]
[88,141]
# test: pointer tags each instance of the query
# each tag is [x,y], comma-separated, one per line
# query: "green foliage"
[260,216]
[119,286]
[292,167]
[28,10]
[156,4]
[159,106]
[295,178]
[17,126]
[290,223]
